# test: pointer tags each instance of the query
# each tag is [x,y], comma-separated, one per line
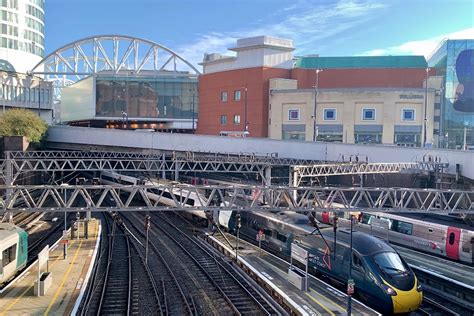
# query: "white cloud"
[310,24]
[421,47]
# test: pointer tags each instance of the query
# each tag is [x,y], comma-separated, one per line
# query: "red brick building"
[234,90]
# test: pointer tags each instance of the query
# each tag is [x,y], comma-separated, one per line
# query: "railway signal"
[260,236]
[147,228]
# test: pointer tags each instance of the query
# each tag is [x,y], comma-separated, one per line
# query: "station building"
[163,101]
[251,94]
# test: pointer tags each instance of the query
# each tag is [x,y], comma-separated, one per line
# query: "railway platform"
[69,279]
[320,299]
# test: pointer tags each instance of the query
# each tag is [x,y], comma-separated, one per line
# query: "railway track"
[116,291]
[431,307]
[122,282]
[211,270]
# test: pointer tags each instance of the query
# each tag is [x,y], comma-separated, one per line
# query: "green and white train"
[13,250]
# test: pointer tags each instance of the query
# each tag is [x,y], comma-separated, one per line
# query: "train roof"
[7,229]
[363,243]
[444,220]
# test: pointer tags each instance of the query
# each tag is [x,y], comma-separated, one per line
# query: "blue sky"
[325,27]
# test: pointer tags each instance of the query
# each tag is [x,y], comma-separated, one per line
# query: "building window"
[332,137]
[293,115]
[293,135]
[408,139]
[223,119]
[408,115]
[368,114]
[237,95]
[236,119]
[368,138]
[224,96]
[329,114]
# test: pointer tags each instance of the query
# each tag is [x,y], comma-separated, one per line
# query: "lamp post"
[350,282]
[124,119]
[426,107]
[65,185]
[39,97]
[315,102]
[246,127]
[194,94]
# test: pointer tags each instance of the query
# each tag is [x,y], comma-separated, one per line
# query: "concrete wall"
[146,141]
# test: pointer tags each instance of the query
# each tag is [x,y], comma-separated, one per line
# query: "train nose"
[407,301]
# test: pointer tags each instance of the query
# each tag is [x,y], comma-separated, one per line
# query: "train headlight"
[418,286]
[389,290]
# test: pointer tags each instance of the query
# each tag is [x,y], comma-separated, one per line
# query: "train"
[13,251]
[189,198]
[427,233]
[383,280]
[381,276]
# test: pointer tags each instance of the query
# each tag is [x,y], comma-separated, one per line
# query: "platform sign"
[43,256]
[298,253]
[378,222]
[260,236]
[350,287]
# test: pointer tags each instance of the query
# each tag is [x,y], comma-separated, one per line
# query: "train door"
[452,242]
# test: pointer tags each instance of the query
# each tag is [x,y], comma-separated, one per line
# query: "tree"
[20,122]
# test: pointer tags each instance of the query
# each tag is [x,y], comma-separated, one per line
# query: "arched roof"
[112,54]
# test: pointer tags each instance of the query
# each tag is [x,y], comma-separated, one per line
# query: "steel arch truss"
[110,54]
[236,197]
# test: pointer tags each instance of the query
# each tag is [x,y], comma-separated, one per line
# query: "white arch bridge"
[109,54]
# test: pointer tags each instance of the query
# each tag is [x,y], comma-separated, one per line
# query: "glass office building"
[454,60]
[147,97]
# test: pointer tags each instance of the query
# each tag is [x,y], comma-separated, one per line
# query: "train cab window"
[8,255]
[451,238]
[281,237]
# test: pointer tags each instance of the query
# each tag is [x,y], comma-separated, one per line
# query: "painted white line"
[89,271]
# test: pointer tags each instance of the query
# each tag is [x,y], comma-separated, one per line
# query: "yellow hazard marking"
[320,304]
[4,312]
[63,280]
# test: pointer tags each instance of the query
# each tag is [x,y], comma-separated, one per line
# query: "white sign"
[378,222]
[43,256]
[298,253]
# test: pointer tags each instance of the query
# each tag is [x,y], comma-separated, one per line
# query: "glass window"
[281,237]
[451,238]
[390,263]
[236,119]
[224,96]
[329,114]
[293,135]
[237,95]
[293,115]
[356,261]
[408,115]
[223,119]
[368,138]
[368,114]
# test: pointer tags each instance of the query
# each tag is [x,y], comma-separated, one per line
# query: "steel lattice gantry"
[302,172]
[235,197]
[20,162]
[70,161]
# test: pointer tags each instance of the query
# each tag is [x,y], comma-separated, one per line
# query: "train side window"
[403,227]
[366,218]
[356,261]
[281,237]
[451,238]
[9,255]
[267,232]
